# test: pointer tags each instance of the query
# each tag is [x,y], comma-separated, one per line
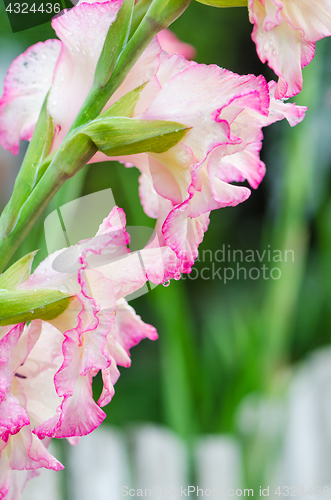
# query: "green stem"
[66,163]
[159,15]
[154,21]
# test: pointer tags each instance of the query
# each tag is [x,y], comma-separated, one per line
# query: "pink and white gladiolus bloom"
[46,368]
[285,32]
[224,111]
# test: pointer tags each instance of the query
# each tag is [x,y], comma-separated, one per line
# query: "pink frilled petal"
[172,45]
[279,109]
[216,193]
[28,80]
[127,275]
[24,452]
[109,378]
[77,416]
[13,415]
[171,172]
[37,374]
[148,196]
[130,327]
[82,30]
[28,452]
[285,33]
[7,347]
[244,165]
[128,331]
[184,234]
[195,97]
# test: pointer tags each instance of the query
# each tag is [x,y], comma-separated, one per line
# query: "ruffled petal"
[172,45]
[28,80]
[109,378]
[13,415]
[78,415]
[130,327]
[184,234]
[148,196]
[285,34]
[28,452]
[198,104]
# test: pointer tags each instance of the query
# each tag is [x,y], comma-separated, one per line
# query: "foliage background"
[222,345]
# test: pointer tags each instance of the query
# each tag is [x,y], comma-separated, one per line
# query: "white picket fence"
[111,464]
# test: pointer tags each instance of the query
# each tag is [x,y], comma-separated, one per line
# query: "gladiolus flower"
[46,368]
[224,111]
[285,32]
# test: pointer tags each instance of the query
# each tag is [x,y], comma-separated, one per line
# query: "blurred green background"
[221,343]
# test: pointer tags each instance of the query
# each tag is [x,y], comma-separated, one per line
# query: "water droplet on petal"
[178,276]
[64,289]
[166,283]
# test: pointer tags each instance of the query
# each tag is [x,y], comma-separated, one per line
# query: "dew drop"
[64,289]
[178,276]
[166,283]
[43,271]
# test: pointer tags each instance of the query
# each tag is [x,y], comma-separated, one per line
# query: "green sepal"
[116,40]
[224,3]
[17,273]
[28,176]
[20,306]
[162,13]
[127,136]
[124,106]
[139,13]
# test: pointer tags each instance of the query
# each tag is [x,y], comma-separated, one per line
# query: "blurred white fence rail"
[150,461]
[306,457]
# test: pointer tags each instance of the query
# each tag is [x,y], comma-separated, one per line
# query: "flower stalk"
[113,66]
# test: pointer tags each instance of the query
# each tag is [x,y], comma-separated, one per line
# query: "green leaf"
[116,40]
[27,178]
[124,106]
[127,136]
[17,273]
[224,3]
[20,306]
